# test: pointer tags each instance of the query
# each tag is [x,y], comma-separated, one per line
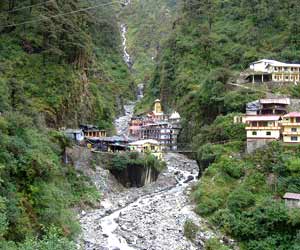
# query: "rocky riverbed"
[149,218]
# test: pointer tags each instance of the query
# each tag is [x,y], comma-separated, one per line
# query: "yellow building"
[157,107]
[267,70]
[147,146]
[291,127]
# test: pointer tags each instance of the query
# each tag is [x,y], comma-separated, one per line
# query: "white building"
[263,127]
[261,130]
[292,200]
[74,134]
[266,70]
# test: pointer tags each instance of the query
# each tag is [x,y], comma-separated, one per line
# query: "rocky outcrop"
[151,217]
[136,175]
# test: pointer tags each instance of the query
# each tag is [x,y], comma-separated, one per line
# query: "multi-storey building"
[92,131]
[135,126]
[291,127]
[270,70]
[261,130]
[164,132]
[147,146]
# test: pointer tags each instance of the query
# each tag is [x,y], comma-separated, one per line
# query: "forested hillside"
[212,41]
[60,65]
[210,44]
[149,25]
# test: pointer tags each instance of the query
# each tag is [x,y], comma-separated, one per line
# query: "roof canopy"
[275,101]
[292,114]
[292,196]
[263,118]
[175,115]
[276,63]
[142,142]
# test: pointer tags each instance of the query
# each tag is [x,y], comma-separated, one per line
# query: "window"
[254,124]
[286,78]
[294,138]
[294,129]
[254,133]
[298,119]
[268,133]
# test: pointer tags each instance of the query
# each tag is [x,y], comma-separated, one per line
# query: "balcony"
[292,124]
[291,133]
[263,128]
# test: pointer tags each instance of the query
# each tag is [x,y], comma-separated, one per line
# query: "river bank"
[151,217]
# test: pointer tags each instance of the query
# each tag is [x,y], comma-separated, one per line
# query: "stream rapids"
[147,218]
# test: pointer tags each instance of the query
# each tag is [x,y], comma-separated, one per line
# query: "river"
[147,218]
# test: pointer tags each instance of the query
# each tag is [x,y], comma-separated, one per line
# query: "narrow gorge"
[151,217]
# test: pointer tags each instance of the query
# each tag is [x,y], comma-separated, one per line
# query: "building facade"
[147,146]
[92,131]
[270,70]
[291,127]
[164,132]
[74,134]
[292,200]
[263,127]
[261,130]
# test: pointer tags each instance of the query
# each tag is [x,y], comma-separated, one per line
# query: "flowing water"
[148,218]
[151,217]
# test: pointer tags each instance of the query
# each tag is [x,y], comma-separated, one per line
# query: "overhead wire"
[25,7]
[59,15]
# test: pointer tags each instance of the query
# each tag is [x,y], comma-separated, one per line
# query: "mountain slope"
[59,66]
[67,68]
[211,42]
[149,24]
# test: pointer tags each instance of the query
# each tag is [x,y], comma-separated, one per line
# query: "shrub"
[234,168]
[190,230]
[240,199]
[215,244]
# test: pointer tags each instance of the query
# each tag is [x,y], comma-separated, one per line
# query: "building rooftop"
[175,115]
[291,196]
[263,118]
[292,114]
[142,142]
[275,101]
[277,63]
[72,131]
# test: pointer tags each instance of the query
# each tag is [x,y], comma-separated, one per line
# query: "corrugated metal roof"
[293,114]
[293,196]
[276,63]
[72,131]
[263,118]
[142,142]
[275,101]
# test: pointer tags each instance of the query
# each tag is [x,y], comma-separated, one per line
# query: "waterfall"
[140,91]
[148,176]
[123,29]
[126,55]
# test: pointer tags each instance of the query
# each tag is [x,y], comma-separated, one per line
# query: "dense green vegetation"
[57,68]
[68,69]
[149,26]
[211,42]
[241,195]
[36,189]
[132,169]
